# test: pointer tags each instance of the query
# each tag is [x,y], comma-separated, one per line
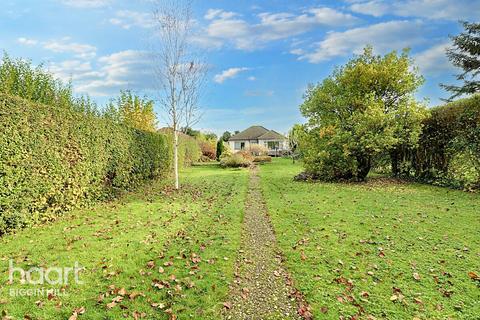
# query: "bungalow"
[276,143]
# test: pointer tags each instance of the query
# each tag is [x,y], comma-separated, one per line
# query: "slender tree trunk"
[175,157]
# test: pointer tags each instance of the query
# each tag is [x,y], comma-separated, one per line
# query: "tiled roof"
[271,135]
[257,132]
[251,133]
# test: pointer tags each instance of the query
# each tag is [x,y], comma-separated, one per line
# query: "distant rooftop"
[257,132]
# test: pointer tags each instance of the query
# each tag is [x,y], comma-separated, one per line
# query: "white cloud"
[75,70]
[385,36]
[430,9]
[127,19]
[27,42]
[107,75]
[252,78]
[228,27]
[376,8]
[228,74]
[297,51]
[125,69]
[219,13]
[64,45]
[86,3]
[84,51]
[434,61]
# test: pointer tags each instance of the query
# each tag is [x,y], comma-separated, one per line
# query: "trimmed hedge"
[449,147]
[189,150]
[262,159]
[54,159]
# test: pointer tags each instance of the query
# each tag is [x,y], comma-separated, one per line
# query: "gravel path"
[260,289]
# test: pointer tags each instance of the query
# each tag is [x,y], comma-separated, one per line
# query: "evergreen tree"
[220,148]
[226,136]
[465,54]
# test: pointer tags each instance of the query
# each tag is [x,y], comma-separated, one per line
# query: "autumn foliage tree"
[133,110]
[362,110]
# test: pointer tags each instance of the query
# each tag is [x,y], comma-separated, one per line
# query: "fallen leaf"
[137,315]
[227,305]
[39,303]
[158,305]
[133,295]
[474,276]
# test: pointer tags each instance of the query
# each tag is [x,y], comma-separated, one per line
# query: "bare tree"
[179,70]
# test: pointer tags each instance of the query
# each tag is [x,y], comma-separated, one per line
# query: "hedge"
[188,147]
[54,159]
[449,146]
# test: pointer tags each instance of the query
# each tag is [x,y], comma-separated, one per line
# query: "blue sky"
[262,54]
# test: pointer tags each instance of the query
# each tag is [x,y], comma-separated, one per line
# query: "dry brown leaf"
[474,276]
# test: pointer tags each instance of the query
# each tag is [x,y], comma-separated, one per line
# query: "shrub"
[449,146]
[208,149]
[56,159]
[245,154]
[235,161]
[257,150]
[262,159]
[325,155]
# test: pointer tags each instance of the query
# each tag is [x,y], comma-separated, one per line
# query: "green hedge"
[449,147]
[189,150]
[54,159]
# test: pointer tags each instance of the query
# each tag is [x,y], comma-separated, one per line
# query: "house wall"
[231,144]
[282,144]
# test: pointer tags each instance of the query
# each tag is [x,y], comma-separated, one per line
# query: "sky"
[261,54]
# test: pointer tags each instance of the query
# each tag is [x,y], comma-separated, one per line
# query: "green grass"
[351,248]
[114,242]
[362,243]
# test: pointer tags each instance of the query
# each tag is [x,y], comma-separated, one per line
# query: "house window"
[273,145]
[239,145]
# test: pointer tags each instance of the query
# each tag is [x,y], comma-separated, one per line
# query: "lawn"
[152,254]
[383,249]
